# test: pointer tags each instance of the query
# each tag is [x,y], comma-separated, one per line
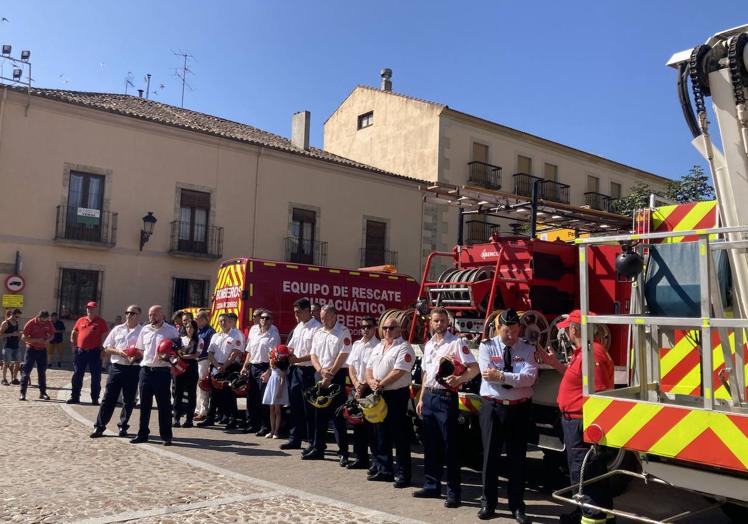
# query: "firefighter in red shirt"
[36,334]
[570,401]
[87,339]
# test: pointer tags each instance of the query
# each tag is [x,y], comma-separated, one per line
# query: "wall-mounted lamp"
[149,221]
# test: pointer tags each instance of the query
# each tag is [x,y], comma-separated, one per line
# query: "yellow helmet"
[320,397]
[374,408]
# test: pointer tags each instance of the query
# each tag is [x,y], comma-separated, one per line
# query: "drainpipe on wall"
[254,211]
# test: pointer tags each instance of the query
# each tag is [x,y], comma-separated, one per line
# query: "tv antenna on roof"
[129,80]
[183,71]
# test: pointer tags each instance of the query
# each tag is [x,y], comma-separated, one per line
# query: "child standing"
[276,392]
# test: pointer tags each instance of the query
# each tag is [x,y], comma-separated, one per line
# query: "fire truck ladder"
[672,452]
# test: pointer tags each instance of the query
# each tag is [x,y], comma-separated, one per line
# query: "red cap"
[282,350]
[575,317]
[91,304]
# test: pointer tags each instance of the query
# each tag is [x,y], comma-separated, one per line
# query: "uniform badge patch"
[347,341]
[495,359]
[465,350]
[408,358]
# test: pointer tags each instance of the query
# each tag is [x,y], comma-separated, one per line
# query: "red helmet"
[178,366]
[240,386]
[165,347]
[447,368]
[352,412]
[132,352]
[281,350]
[204,384]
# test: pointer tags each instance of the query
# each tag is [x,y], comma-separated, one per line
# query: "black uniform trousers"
[223,400]
[155,382]
[302,413]
[576,449]
[258,414]
[440,441]
[362,440]
[505,425]
[38,357]
[185,385]
[122,379]
[322,419]
[393,430]
[90,358]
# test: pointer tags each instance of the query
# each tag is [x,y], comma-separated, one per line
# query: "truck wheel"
[735,512]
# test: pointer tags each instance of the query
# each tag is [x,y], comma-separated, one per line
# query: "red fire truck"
[244,284]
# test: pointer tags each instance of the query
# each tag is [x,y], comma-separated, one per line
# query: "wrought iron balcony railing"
[599,201]
[197,240]
[554,191]
[85,225]
[484,175]
[523,184]
[305,251]
[377,257]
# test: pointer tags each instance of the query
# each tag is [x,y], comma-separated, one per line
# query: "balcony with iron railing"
[523,184]
[85,226]
[599,201]
[484,175]
[554,191]
[305,251]
[478,232]
[195,240]
[377,257]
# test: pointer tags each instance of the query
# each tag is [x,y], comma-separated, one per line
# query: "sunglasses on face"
[265,318]
[388,328]
[366,326]
[131,312]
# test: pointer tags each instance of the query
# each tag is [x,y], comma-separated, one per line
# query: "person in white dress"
[276,391]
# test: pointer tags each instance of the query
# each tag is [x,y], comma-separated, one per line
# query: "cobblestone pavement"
[52,472]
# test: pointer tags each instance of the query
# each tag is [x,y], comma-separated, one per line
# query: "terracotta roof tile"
[160,113]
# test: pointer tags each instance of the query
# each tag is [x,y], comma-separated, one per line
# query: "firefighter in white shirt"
[301,375]
[509,371]
[439,407]
[124,373]
[388,372]
[257,367]
[357,361]
[331,346]
[223,351]
[155,376]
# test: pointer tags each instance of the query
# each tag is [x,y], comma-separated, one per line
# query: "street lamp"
[149,221]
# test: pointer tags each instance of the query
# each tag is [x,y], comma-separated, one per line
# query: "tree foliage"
[693,187]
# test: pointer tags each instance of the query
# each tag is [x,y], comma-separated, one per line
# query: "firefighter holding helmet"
[570,400]
[509,371]
[447,364]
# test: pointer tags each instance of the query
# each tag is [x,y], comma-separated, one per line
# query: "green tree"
[693,187]
[637,198]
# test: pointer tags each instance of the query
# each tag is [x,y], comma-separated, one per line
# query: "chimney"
[300,129]
[386,75]
[140,93]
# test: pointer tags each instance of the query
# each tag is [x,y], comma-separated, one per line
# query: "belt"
[503,402]
[440,392]
[571,415]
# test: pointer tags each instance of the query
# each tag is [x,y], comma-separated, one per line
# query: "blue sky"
[590,74]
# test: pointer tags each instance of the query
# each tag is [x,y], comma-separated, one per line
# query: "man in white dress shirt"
[357,361]
[155,376]
[509,370]
[330,348]
[301,375]
[124,373]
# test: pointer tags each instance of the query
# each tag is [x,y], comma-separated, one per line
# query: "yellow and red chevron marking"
[680,366]
[684,217]
[469,403]
[706,437]
[231,275]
